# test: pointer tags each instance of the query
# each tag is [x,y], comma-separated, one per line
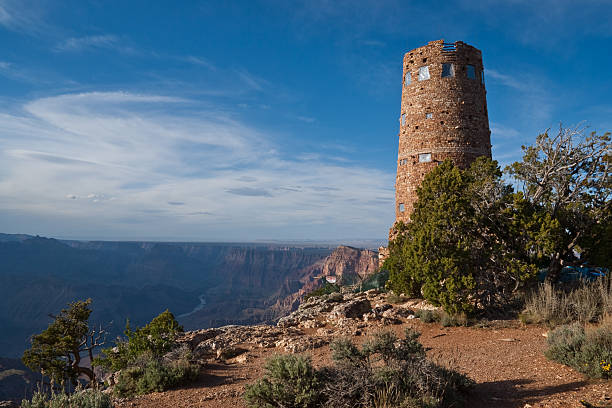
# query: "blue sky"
[258,120]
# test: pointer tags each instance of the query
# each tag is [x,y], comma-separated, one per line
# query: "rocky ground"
[505,358]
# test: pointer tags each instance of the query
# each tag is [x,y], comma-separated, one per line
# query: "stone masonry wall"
[441,116]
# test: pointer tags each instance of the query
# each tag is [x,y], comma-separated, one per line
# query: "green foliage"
[149,359]
[471,242]
[374,281]
[586,303]
[156,338]
[153,374]
[566,176]
[390,372]
[448,320]
[56,352]
[385,372]
[91,398]
[326,289]
[395,299]
[427,315]
[587,351]
[290,381]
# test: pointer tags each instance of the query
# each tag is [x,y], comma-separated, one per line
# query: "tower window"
[403,120]
[424,157]
[407,79]
[402,207]
[448,70]
[482,77]
[424,73]
[471,72]
[429,115]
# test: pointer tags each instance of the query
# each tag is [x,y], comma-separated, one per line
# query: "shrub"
[587,303]
[390,372]
[587,351]
[459,319]
[155,339]
[290,382]
[327,289]
[385,372]
[427,315]
[149,374]
[374,281]
[394,298]
[90,398]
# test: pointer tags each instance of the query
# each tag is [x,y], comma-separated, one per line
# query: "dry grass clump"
[587,303]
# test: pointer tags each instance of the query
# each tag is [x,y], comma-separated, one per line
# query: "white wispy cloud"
[88,42]
[203,62]
[531,95]
[306,119]
[507,80]
[25,16]
[252,81]
[117,164]
[11,71]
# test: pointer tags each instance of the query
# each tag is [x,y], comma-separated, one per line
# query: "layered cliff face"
[349,265]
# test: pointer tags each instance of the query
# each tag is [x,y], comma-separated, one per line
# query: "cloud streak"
[91,41]
[171,166]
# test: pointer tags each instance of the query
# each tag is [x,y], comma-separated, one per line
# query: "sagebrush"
[90,398]
[588,351]
[384,372]
[150,373]
[290,381]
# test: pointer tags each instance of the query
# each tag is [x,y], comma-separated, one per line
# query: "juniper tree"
[567,176]
[59,350]
[471,240]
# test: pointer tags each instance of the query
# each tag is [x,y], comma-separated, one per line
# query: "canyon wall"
[207,284]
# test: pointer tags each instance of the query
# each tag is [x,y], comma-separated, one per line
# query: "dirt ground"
[506,361]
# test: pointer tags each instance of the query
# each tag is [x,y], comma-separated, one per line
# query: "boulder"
[230,352]
[353,309]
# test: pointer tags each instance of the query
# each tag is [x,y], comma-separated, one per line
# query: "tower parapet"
[443,115]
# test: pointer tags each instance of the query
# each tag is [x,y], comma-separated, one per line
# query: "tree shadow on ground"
[212,375]
[514,393]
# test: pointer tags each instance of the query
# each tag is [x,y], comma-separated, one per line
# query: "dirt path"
[507,364]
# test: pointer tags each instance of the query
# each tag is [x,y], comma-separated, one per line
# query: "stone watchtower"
[443,115]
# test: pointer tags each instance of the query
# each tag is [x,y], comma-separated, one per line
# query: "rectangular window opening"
[429,115]
[424,73]
[448,70]
[424,157]
[402,207]
[482,77]
[407,79]
[403,120]
[471,72]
